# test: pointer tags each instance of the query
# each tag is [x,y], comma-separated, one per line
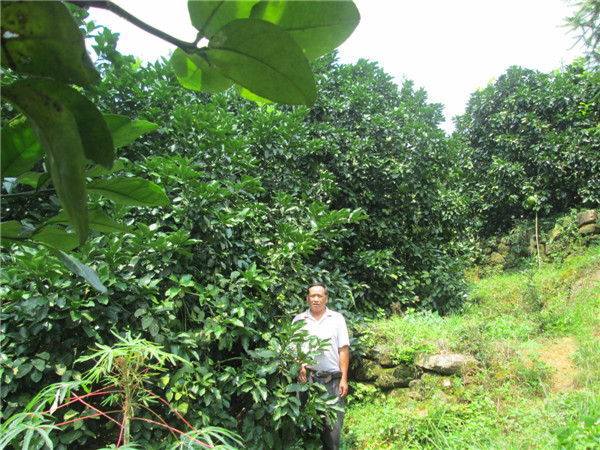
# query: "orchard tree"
[190,276]
[586,23]
[261,47]
[371,145]
[531,144]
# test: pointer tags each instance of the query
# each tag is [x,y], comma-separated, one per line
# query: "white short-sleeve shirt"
[331,326]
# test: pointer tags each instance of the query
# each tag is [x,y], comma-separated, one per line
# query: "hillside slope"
[536,336]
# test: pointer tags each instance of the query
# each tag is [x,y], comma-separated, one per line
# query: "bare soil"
[558,354]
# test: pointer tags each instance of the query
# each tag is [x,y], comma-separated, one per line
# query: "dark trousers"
[331,433]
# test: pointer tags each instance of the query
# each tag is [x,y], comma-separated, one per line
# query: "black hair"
[319,284]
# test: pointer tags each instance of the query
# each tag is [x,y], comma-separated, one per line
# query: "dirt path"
[558,354]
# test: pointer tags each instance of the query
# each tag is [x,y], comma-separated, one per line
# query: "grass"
[512,325]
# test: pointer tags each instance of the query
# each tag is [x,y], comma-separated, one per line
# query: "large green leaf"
[93,130]
[210,16]
[86,272]
[57,130]
[56,237]
[42,38]
[9,229]
[20,148]
[130,191]
[318,27]
[243,92]
[193,72]
[100,171]
[35,179]
[98,221]
[125,130]
[264,59]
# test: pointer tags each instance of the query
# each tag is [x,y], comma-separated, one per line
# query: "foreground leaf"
[130,191]
[10,229]
[20,148]
[98,221]
[57,131]
[100,171]
[243,92]
[78,268]
[193,72]
[42,38]
[318,27]
[93,130]
[264,59]
[56,237]
[208,17]
[35,179]
[125,130]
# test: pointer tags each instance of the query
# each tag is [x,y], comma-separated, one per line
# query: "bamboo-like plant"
[122,370]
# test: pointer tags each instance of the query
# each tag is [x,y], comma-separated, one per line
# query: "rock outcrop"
[379,368]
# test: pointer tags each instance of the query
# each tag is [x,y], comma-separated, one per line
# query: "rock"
[441,396]
[396,309]
[367,371]
[589,229]
[497,259]
[446,364]
[414,395]
[398,377]
[556,232]
[413,385]
[400,393]
[383,355]
[587,217]
[503,249]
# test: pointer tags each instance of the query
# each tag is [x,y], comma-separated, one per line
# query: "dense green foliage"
[532,144]
[243,206]
[262,47]
[264,201]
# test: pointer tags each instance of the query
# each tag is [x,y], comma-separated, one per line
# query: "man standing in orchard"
[331,366]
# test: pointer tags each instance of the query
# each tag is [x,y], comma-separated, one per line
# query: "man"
[331,366]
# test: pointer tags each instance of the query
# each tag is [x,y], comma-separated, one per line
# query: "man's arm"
[344,363]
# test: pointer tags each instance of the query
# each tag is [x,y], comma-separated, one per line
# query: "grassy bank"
[537,336]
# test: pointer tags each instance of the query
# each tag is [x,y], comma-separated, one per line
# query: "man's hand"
[343,388]
[302,374]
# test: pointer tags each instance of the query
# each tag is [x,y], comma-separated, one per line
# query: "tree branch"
[28,193]
[116,9]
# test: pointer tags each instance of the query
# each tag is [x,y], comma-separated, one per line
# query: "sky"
[449,48]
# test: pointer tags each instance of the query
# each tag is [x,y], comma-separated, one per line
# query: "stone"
[445,364]
[415,395]
[503,249]
[394,378]
[396,308]
[382,354]
[413,385]
[587,217]
[441,396]
[367,371]
[400,393]
[556,232]
[589,229]
[497,259]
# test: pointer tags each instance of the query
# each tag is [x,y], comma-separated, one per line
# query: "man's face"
[317,300]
